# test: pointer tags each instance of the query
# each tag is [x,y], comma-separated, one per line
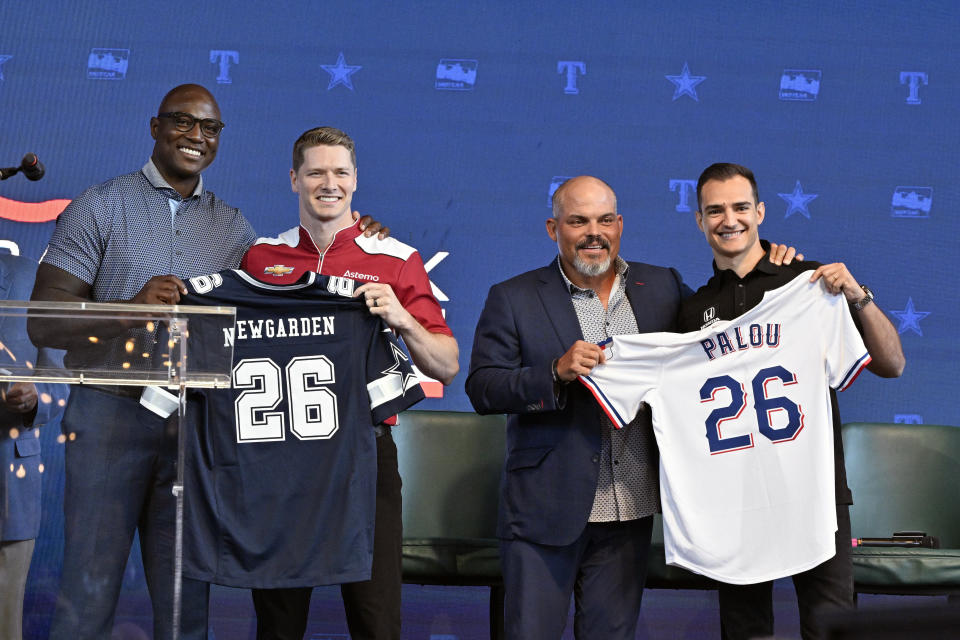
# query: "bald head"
[587,229]
[187,93]
[582,189]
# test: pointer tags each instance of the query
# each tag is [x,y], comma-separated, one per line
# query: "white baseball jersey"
[741,413]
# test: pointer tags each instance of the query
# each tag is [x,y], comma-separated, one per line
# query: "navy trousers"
[604,569]
[120,467]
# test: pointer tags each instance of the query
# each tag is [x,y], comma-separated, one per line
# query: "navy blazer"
[553,443]
[20,457]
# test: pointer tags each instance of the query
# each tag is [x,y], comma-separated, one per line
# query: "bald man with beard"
[578,496]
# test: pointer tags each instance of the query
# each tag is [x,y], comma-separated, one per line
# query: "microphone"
[31,167]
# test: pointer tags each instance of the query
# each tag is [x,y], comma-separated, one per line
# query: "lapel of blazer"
[558,306]
[635,291]
[653,303]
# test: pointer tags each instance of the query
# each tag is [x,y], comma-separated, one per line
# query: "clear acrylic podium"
[154,341]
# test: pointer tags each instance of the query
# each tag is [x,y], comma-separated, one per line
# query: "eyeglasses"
[185,122]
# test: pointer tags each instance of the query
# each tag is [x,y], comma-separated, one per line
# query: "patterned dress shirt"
[623,492]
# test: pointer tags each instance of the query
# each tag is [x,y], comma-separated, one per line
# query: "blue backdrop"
[467,114]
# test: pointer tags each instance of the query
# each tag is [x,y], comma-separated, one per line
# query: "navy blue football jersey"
[281,468]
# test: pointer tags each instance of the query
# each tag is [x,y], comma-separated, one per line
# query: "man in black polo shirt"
[729,215]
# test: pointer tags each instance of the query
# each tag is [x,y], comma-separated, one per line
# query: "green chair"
[450,463]
[905,477]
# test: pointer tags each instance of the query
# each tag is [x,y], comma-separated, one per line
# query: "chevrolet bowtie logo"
[278,270]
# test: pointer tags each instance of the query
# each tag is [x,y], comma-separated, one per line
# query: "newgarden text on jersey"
[278,328]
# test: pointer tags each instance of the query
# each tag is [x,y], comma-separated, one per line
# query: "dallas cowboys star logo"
[3,58]
[910,318]
[340,73]
[396,370]
[798,201]
[685,83]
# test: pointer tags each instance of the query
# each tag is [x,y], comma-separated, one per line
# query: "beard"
[592,269]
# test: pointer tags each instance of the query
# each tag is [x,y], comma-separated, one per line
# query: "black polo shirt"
[727,296]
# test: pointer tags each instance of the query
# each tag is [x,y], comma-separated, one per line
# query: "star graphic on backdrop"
[340,73]
[798,201]
[3,58]
[910,318]
[686,84]
[397,370]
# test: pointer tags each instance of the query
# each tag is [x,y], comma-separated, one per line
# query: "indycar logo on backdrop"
[908,418]
[800,84]
[456,75]
[340,72]
[685,84]
[108,64]
[571,69]
[911,202]
[913,79]
[224,58]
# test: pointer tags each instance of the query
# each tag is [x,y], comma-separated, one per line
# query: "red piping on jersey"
[868,360]
[614,419]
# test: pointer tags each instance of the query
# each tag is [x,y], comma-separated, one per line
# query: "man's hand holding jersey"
[435,354]
[161,290]
[579,360]
[838,279]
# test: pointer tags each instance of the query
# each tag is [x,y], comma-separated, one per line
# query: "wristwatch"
[865,300]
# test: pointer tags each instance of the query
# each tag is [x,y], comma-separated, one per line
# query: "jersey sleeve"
[391,384]
[845,353]
[632,369]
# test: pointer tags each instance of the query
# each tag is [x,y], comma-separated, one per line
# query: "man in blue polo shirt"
[131,239]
